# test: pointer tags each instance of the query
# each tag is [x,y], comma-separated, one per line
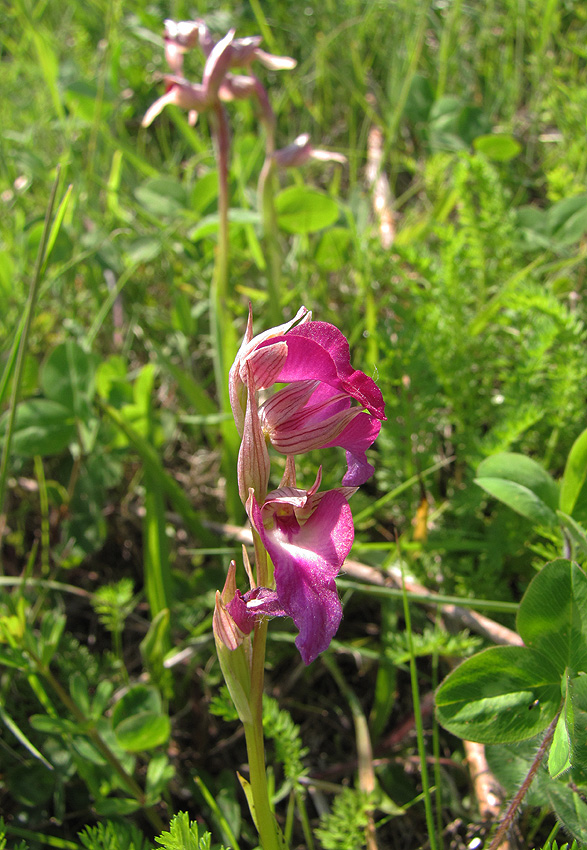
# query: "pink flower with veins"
[307,535]
[325,403]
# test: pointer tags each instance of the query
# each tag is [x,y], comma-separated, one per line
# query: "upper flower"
[326,403]
[307,535]
[218,84]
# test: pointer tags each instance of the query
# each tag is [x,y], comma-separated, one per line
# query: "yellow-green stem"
[265,819]
[271,233]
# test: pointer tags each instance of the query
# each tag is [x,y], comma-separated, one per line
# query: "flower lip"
[308,548]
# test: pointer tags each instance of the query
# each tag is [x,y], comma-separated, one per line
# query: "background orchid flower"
[301,151]
[308,535]
[217,83]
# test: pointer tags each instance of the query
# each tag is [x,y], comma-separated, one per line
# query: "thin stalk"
[266,201]
[430,825]
[367,782]
[436,744]
[512,809]
[44,503]
[23,344]
[264,817]
[221,327]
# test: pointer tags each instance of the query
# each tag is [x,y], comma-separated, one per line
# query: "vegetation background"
[119,512]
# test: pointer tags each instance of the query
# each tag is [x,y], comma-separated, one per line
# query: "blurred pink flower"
[218,85]
[307,535]
[301,151]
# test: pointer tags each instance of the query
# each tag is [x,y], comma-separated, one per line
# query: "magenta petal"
[245,610]
[307,558]
[355,382]
[358,436]
[308,358]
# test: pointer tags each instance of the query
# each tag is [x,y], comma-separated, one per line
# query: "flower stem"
[221,327]
[271,234]
[263,814]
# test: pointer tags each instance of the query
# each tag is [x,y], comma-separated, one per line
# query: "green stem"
[221,327]
[18,370]
[419,730]
[266,200]
[264,817]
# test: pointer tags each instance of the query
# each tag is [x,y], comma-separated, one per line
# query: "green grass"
[472,323]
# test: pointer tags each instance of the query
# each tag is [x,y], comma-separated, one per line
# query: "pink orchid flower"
[218,85]
[307,535]
[326,403]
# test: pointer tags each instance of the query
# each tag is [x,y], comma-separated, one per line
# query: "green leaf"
[68,377]
[500,147]
[571,810]
[78,688]
[302,210]
[574,474]
[577,693]
[42,427]
[183,835]
[332,252]
[143,731]
[519,498]
[419,100]
[552,617]
[559,757]
[159,773]
[162,196]
[522,484]
[22,738]
[138,721]
[522,470]
[237,219]
[120,806]
[503,694]
[567,220]
[139,698]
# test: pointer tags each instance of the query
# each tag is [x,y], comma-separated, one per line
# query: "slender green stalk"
[420,731]
[44,502]
[436,744]
[266,200]
[22,348]
[367,781]
[264,817]
[221,327]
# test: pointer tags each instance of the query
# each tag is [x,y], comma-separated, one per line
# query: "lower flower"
[307,535]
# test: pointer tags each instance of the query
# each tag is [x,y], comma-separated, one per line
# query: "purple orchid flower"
[307,535]
[326,403]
